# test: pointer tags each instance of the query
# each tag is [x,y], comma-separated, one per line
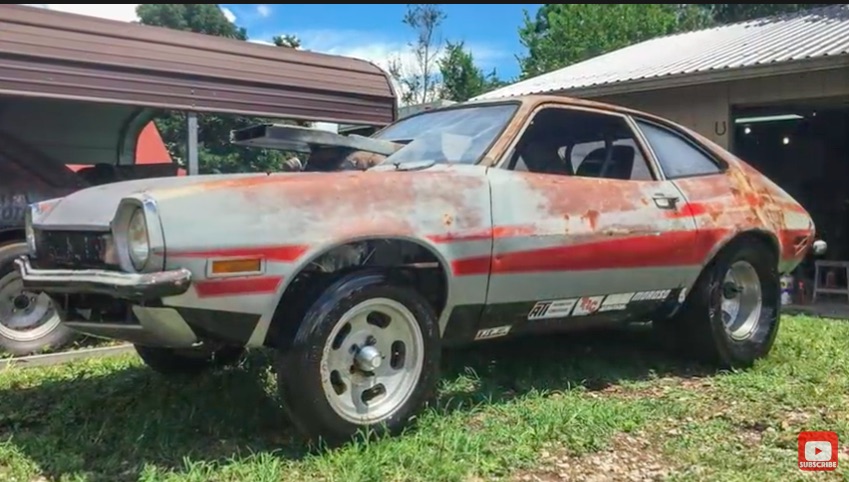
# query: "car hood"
[94,207]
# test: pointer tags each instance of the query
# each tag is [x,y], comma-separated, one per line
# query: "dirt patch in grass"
[629,457]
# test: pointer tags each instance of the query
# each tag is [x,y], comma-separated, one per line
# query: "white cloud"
[228,14]
[112,11]
[379,50]
[263,10]
[259,41]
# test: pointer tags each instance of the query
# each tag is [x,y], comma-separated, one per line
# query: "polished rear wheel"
[731,316]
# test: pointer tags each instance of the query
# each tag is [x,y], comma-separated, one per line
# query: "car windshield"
[456,136]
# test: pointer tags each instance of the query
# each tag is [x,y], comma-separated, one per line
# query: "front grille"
[70,249]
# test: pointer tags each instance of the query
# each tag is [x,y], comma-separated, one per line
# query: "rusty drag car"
[483,220]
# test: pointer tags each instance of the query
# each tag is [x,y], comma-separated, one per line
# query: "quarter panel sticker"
[587,305]
[616,302]
[496,332]
[552,309]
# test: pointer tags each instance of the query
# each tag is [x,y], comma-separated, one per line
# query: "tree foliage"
[206,18]
[215,152]
[440,71]
[290,41]
[461,78]
[418,84]
[562,34]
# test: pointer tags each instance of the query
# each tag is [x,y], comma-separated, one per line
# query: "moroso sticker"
[587,305]
[552,309]
[651,295]
[616,302]
[492,332]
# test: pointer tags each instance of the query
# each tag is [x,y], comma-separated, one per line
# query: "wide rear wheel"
[731,316]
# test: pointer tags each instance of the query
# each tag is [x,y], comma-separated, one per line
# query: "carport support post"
[192,142]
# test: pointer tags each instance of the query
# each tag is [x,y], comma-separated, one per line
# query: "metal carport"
[84,87]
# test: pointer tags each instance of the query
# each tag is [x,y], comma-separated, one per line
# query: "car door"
[709,192]
[584,227]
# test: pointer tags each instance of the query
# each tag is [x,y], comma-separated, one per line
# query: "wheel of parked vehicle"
[188,361]
[366,356]
[29,322]
[731,317]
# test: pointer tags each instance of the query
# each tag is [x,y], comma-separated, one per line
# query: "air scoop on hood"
[305,139]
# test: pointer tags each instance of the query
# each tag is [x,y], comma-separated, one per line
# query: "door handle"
[664,201]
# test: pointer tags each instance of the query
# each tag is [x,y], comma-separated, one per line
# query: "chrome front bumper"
[129,286]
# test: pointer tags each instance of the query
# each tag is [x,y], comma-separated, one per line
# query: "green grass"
[552,408]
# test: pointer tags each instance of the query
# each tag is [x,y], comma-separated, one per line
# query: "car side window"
[677,156]
[579,143]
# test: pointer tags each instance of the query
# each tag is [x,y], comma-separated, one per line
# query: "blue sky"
[375,31]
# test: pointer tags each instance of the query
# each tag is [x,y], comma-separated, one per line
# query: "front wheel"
[366,356]
[30,322]
[731,317]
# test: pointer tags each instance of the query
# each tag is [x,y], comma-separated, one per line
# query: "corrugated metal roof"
[816,33]
[55,54]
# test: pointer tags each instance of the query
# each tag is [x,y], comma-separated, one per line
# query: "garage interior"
[804,148]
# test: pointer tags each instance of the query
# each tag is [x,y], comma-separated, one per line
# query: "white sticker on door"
[616,302]
[651,295]
[587,305]
[544,310]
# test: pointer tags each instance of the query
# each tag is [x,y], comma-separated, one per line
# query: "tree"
[419,86]
[563,34]
[215,152]
[206,18]
[461,78]
[289,41]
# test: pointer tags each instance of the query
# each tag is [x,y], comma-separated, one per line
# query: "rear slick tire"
[731,317]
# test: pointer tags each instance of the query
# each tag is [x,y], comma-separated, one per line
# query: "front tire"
[731,317]
[30,322]
[188,361]
[365,357]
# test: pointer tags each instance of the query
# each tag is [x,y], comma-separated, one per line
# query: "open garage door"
[804,148]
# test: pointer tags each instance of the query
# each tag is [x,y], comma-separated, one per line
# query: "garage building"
[775,91]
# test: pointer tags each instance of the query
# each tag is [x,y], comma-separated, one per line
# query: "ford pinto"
[482,220]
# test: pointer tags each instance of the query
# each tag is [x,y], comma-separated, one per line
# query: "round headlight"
[138,244]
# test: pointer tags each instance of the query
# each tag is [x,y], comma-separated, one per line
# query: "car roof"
[533,100]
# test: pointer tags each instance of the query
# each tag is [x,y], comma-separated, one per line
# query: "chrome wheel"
[742,300]
[372,361]
[24,315]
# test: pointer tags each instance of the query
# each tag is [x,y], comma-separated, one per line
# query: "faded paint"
[504,236]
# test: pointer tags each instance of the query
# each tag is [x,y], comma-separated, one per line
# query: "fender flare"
[730,238]
[258,337]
